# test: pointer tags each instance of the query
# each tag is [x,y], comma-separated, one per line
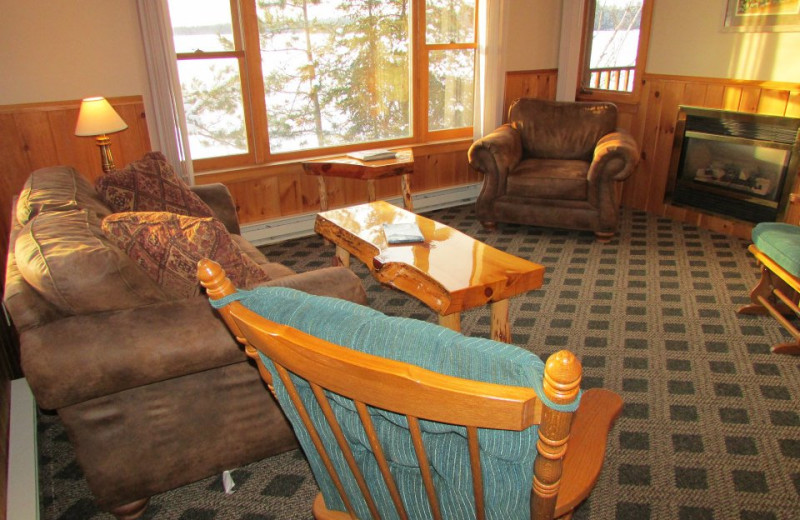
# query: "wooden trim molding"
[724,81]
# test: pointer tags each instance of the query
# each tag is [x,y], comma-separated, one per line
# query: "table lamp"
[98,118]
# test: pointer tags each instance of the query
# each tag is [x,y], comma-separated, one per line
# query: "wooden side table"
[350,168]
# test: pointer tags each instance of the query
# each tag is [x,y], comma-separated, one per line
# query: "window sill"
[281,167]
[619,98]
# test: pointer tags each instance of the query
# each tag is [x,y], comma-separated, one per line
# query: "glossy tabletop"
[449,271]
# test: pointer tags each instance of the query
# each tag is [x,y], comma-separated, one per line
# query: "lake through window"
[265,77]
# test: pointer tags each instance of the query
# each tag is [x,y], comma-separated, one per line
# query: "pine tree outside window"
[270,80]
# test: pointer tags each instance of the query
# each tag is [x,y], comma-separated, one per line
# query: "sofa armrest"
[615,157]
[104,353]
[338,282]
[221,202]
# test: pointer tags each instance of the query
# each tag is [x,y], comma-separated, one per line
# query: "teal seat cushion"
[781,242]
[507,457]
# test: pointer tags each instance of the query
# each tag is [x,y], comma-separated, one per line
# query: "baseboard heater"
[297,226]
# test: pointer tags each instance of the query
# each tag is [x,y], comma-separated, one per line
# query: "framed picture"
[762,15]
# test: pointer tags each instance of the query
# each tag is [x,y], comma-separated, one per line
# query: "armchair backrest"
[561,129]
[401,418]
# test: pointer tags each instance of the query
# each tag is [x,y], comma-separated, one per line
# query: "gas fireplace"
[733,163]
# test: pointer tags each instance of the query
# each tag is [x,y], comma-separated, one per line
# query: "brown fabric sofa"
[153,391]
[554,164]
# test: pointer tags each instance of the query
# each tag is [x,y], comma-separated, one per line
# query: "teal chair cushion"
[507,457]
[781,242]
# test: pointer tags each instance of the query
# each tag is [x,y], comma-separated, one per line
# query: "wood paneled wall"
[43,134]
[654,130]
[38,135]
[539,84]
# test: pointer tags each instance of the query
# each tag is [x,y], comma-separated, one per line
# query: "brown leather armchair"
[554,164]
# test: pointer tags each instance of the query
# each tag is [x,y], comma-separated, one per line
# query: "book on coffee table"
[373,155]
[403,233]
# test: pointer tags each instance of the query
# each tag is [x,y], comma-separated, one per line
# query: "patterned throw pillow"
[150,184]
[167,246]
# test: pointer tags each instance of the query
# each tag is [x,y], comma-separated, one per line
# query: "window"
[450,44]
[210,70]
[279,79]
[615,46]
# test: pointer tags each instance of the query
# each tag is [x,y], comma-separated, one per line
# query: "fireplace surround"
[735,164]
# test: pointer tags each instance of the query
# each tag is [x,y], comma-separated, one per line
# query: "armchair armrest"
[494,155]
[615,157]
[221,202]
[586,447]
[497,152]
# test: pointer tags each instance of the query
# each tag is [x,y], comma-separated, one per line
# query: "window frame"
[240,55]
[247,52]
[614,96]
[422,51]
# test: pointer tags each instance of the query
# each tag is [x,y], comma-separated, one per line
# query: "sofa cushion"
[150,184]
[167,246]
[65,256]
[553,179]
[58,188]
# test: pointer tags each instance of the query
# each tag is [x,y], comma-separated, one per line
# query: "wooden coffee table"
[449,272]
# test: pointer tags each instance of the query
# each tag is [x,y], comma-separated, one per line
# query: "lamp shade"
[97,117]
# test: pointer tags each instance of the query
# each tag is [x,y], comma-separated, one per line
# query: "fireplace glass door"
[733,164]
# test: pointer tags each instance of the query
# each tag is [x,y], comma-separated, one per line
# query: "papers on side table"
[373,155]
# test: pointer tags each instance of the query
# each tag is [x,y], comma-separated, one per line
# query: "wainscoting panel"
[539,84]
[654,126]
[37,135]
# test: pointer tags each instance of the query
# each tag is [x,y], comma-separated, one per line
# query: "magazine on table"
[403,233]
[373,155]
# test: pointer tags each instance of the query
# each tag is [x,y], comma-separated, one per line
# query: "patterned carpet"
[710,427]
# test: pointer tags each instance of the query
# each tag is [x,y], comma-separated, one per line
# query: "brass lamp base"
[104,142]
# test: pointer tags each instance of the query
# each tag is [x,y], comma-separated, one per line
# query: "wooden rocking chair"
[387,438]
[776,246]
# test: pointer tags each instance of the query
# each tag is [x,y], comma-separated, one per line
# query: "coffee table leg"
[405,188]
[500,328]
[370,190]
[342,257]
[451,321]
